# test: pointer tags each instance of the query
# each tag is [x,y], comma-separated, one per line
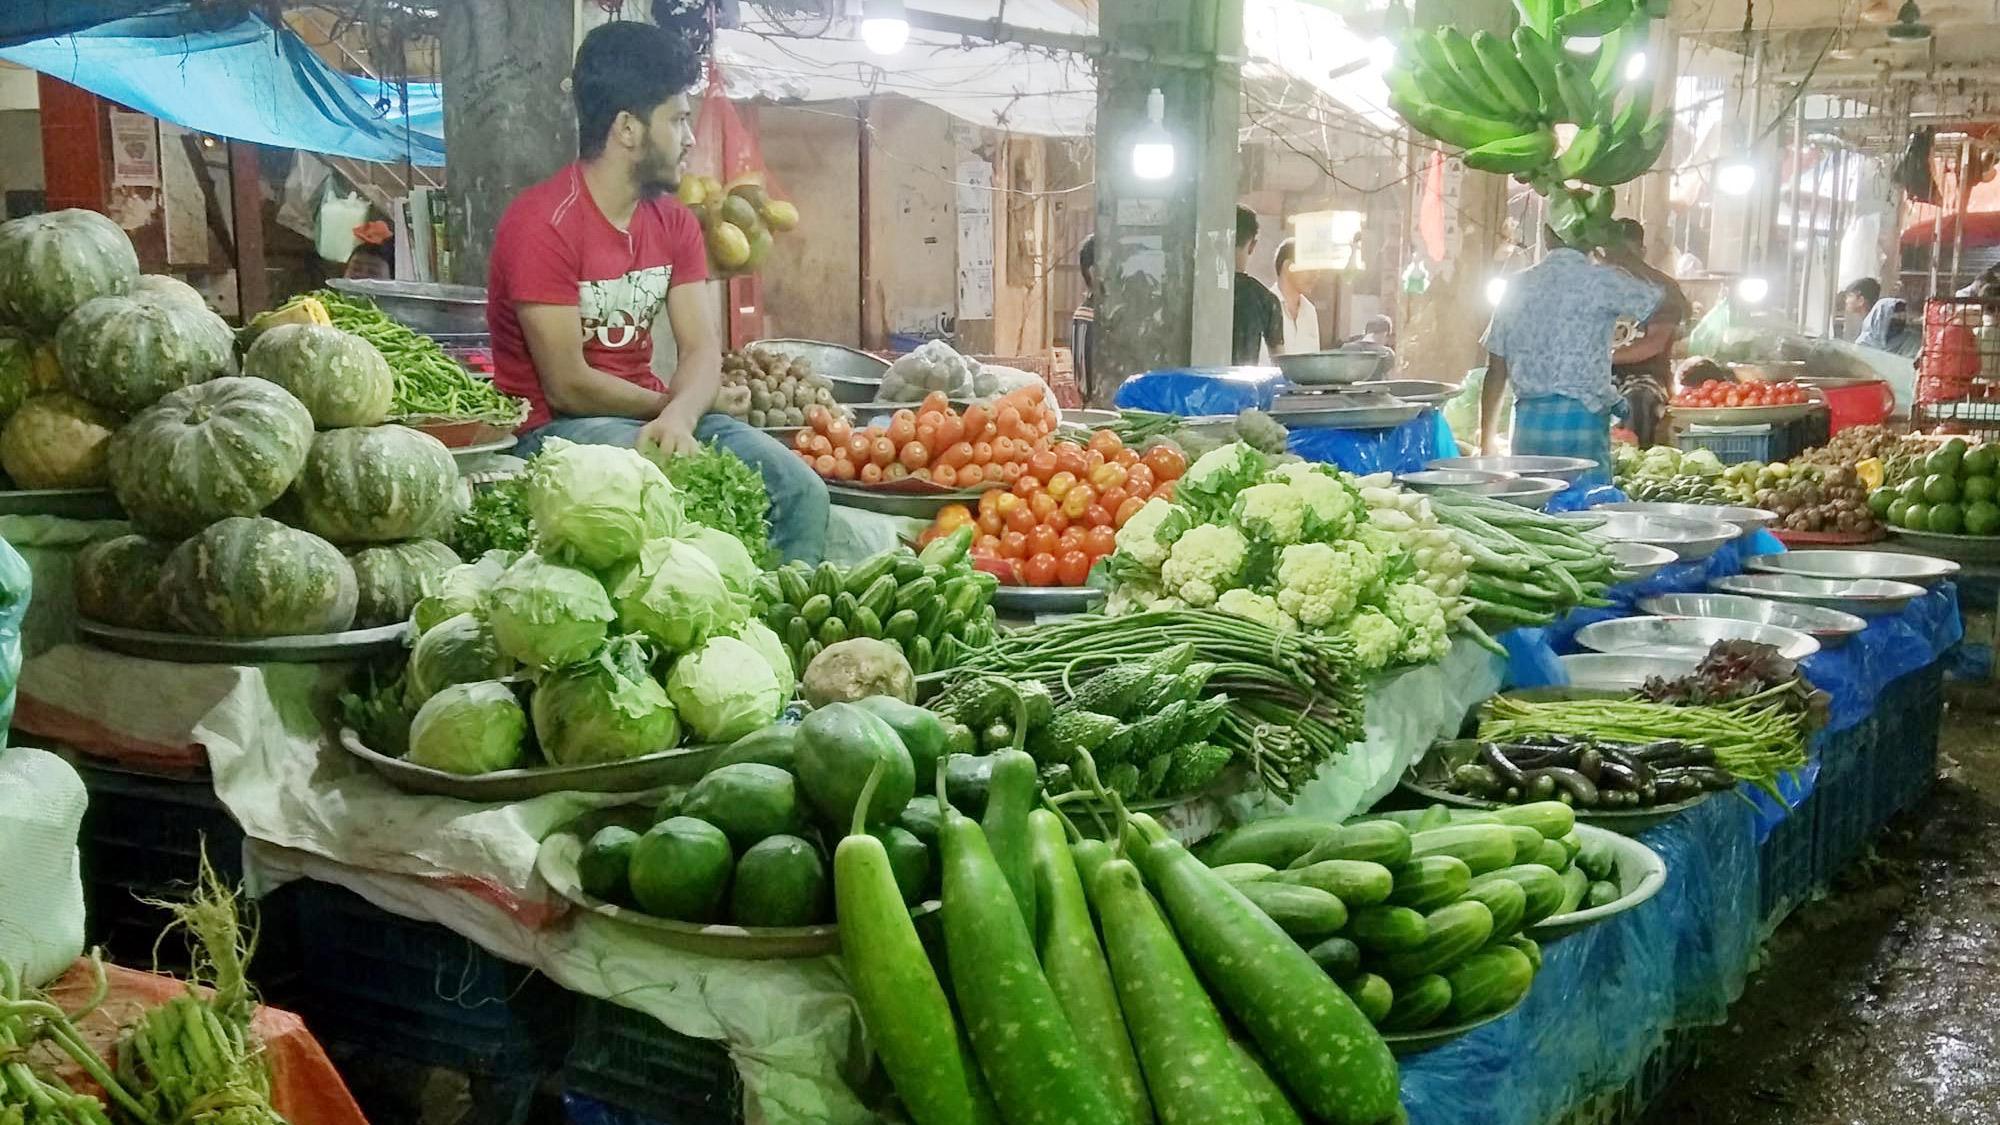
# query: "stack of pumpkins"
[245,488]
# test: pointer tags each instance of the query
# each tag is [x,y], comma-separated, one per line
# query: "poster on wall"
[135,150]
[975,240]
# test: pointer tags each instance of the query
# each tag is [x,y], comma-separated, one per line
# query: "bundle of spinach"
[721,490]
[497,519]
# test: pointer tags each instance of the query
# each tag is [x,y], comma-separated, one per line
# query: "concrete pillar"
[506,111]
[1166,249]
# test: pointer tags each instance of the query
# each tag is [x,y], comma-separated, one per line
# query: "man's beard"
[658,175]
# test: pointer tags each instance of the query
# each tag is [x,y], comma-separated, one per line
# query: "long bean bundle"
[1756,738]
[1295,700]
[1527,567]
[429,383]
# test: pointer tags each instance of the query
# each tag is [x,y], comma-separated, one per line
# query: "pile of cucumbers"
[931,604]
[1421,917]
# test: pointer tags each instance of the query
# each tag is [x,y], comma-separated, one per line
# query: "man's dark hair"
[626,67]
[1246,226]
[1287,251]
[1632,232]
[1379,323]
[1868,289]
[1086,257]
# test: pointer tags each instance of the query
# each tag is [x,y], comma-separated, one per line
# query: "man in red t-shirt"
[585,262]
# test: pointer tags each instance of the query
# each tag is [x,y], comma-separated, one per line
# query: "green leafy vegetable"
[470,728]
[497,520]
[721,490]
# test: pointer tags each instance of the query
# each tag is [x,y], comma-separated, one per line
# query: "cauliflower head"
[1138,597]
[1150,533]
[1204,562]
[1320,583]
[1333,506]
[1274,511]
[1262,608]
[1421,616]
[1211,483]
[1376,638]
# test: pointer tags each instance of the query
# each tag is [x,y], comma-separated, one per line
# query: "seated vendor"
[585,262]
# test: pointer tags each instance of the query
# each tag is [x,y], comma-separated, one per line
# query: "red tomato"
[1164,492]
[1127,510]
[990,501]
[986,544]
[1140,478]
[1013,545]
[1070,459]
[1043,540]
[1044,505]
[1091,460]
[1107,443]
[951,517]
[1166,462]
[1043,464]
[1097,515]
[1128,457]
[1072,538]
[1073,568]
[1026,486]
[1057,520]
[1099,542]
[1039,570]
[1113,498]
[991,525]
[1733,398]
[1022,519]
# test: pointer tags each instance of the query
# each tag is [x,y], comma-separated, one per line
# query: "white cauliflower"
[1204,562]
[1149,535]
[1256,607]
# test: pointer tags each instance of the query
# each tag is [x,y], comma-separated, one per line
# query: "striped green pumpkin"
[227,447]
[57,440]
[126,353]
[50,264]
[391,578]
[340,377]
[378,484]
[118,581]
[254,577]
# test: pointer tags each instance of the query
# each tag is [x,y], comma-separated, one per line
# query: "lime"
[1977,488]
[1912,490]
[1981,460]
[1916,517]
[1879,501]
[1945,519]
[1947,457]
[1894,516]
[1982,518]
[1940,488]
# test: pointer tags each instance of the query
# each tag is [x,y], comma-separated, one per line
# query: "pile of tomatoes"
[1718,392]
[1063,513]
[933,442]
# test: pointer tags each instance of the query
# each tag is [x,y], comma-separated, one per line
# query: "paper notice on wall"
[135,150]
[975,240]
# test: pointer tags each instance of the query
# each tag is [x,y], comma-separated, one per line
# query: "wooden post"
[246,201]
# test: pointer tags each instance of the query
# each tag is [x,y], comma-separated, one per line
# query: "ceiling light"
[1635,67]
[1753,290]
[1496,291]
[885,26]
[1736,176]
[1153,150]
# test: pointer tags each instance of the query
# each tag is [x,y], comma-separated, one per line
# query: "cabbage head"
[594,505]
[469,728]
[604,710]
[675,595]
[725,689]
[457,650]
[460,589]
[545,614]
[731,558]
[759,636]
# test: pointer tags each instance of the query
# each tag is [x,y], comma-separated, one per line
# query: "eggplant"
[1494,758]
[1588,763]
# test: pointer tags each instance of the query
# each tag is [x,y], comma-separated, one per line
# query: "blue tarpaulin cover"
[23,20]
[244,80]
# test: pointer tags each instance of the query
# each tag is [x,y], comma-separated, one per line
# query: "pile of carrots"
[934,442]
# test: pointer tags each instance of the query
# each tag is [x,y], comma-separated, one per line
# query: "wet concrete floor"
[1880,1004]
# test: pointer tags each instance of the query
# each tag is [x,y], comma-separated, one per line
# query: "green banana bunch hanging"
[1501,101]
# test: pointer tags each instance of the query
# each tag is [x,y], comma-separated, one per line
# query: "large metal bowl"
[1892,565]
[1618,671]
[1456,480]
[1332,368]
[1565,469]
[1690,540]
[1830,627]
[1749,519]
[1528,492]
[431,308]
[1429,392]
[1688,636]
[853,375]
[1862,597]
[1640,560]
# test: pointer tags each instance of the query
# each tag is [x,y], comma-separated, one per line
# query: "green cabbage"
[457,650]
[545,614]
[594,505]
[731,558]
[725,689]
[469,728]
[759,636]
[605,710]
[674,594]
[460,589]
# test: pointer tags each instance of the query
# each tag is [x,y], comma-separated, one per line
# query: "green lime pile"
[1954,495]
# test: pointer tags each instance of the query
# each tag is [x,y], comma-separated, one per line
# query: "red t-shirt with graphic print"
[554,247]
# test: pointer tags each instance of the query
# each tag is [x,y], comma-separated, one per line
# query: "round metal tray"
[1830,627]
[1531,492]
[1410,1042]
[1426,392]
[556,864]
[1895,566]
[1749,519]
[1565,469]
[1336,366]
[1689,540]
[1742,415]
[1683,636]
[1862,597]
[1475,481]
[682,765]
[1621,671]
[69,503]
[1641,874]
[1640,560]
[499,445]
[914,505]
[853,370]
[1423,780]
[187,648]
[1351,418]
[1792,538]
[1957,548]
[1030,600]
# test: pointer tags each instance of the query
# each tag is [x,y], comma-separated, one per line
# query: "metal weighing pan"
[914,505]
[1425,780]
[1641,874]
[1743,415]
[1530,492]
[1363,410]
[428,307]
[1424,391]
[1749,519]
[1862,597]
[1565,469]
[500,445]
[1690,540]
[853,375]
[1027,601]
[186,648]
[69,503]
[1689,636]
[1958,548]
[1335,367]
[1892,565]
[1830,627]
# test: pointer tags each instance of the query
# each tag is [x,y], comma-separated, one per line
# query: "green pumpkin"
[227,447]
[253,577]
[378,484]
[118,581]
[124,353]
[162,287]
[340,377]
[58,440]
[50,264]
[391,578]
[17,374]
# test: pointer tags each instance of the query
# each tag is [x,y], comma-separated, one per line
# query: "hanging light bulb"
[1736,176]
[1496,291]
[885,26]
[1153,150]
[1635,66]
[1753,290]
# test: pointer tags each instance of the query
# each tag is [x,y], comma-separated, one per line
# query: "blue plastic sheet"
[1891,647]
[1607,995]
[1196,392]
[1398,449]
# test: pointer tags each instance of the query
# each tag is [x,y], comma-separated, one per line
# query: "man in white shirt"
[1301,319]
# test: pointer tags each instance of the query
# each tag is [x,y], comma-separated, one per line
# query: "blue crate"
[418,992]
[1843,817]
[1732,448]
[1785,864]
[644,1071]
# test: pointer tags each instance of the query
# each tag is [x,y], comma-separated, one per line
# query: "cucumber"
[871,570]
[1318,1043]
[1542,887]
[1374,841]
[1182,1047]
[1552,819]
[1306,913]
[920,819]
[1388,929]
[794,584]
[1437,816]
[1418,1003]
[1271,1100]
[1603,892]
[1530,948]
[1355,882]
[1572,843]
[1455,930]
[1010,796]
[1076,968]
[1550,854]
[1275,842]
[1026,1049]
[1489,981]
[1246,872]
[816,609]
[1506,901]
[827,580]
[1527,841]
[1597,860]
[1483,847]
[1340,957]
[1372,995]
[1575,885]
[1428,883]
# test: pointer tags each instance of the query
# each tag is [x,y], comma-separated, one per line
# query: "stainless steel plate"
[186,648]
[1426,391]
[501,445]
[1689,636]
[1640,560]
[1749,519]
[1958,548]
[1530,492]
[1690,540]
[680,766]
[1031,600]
[1617,671]
[1831,627]
[1379,417]
[1742,415]
[1863,597]
[428,307]
[1411,1042]
[1456,480]
[1565,469]
[915,505]
[1892,565]
[844,367]
[69,503]
[1341,365]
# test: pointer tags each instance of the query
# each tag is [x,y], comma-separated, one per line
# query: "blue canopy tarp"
[244,80]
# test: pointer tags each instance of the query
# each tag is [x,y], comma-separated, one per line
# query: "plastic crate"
[1843,817]
[635,1064]
[417,991]
[1730,444]
[1785,864]
[1630,1103]
[142,837]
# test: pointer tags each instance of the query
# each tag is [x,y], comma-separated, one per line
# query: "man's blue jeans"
[798,496]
